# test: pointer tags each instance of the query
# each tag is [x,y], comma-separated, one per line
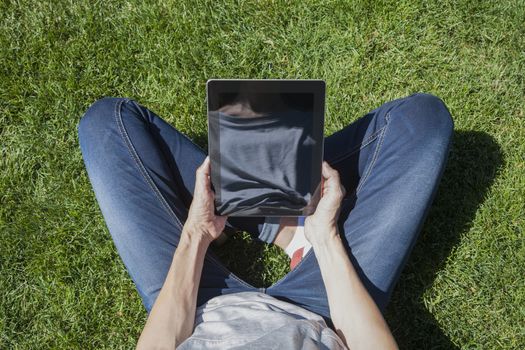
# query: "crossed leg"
[143,172]
[390,162]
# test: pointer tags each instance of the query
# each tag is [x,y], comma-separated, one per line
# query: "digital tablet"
[265,141]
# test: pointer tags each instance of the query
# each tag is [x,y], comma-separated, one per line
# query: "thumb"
[202,177]
[333,192]
[331,179]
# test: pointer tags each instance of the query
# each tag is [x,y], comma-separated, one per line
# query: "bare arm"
[355,315]
[171,320]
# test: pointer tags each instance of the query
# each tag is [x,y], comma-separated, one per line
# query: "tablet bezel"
[214,87]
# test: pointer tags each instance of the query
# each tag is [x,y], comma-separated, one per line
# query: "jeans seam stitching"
[138,162]
[375,156]
[363,144]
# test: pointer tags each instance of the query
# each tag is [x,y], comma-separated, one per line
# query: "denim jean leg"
[304,285]
[143,173]
[395,191]
[390,162]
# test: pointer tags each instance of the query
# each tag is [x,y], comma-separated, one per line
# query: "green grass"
[62,284]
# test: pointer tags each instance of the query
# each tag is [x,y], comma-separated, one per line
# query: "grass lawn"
[62,284]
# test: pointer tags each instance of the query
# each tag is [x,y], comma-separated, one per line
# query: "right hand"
[322,224]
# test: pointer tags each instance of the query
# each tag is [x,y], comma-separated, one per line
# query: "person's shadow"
[474,161]
[473,164]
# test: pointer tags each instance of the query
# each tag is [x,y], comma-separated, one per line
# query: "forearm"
[171,320]
[355,315]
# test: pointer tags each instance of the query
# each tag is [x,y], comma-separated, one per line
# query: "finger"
[332,183]
[328,171]
[330,175]
[202,176]
[205,166]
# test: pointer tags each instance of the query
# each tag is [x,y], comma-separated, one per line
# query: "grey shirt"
[253,320]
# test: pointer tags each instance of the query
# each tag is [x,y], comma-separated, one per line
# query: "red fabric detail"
[296,257]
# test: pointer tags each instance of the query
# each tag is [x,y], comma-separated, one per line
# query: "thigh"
[143,173]
[397,181]
[390,162]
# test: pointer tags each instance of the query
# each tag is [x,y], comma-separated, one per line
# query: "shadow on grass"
[474,161]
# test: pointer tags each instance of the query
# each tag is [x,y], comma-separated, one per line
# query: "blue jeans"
[143,172]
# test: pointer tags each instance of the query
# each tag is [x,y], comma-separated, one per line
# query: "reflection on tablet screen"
[267,146]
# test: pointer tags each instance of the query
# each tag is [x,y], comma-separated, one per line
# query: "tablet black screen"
[266,150]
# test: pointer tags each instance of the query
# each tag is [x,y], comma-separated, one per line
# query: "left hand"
[202,221]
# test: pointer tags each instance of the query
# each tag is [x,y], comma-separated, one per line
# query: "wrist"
[328,239]
[328,250]
[321,235]
[195,237]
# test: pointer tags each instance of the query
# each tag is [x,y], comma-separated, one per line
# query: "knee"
[98,117]
[429,116]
